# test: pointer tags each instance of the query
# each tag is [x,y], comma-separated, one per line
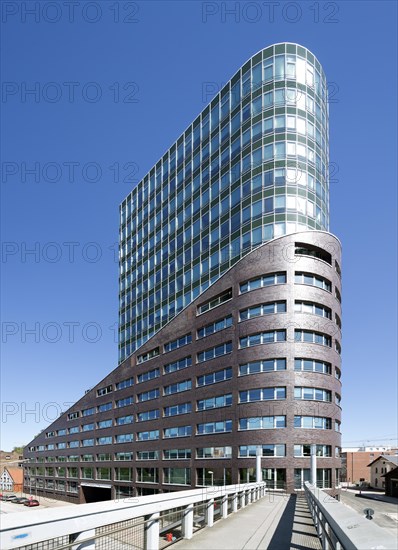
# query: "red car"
[32,502]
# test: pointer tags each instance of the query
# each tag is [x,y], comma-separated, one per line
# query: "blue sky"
[115,83]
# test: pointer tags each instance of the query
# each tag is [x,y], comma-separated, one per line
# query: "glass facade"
[252,166]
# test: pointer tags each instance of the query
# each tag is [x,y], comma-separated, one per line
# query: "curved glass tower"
[251,167]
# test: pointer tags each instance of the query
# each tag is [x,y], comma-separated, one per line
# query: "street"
[386,513]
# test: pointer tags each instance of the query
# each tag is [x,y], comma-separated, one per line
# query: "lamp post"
[212,477]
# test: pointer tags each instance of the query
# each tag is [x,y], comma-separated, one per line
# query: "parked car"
[19,500]
[9,497]
[32,502]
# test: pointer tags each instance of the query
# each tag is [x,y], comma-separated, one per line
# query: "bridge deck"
[275,522]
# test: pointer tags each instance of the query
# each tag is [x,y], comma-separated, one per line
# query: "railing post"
[224,506]
[187,522]
[85,536]
[235,502]
[249,496]
[151,532]
[210,513]
[242,498]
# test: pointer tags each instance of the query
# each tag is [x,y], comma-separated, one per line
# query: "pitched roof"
[16,474]
[389,458]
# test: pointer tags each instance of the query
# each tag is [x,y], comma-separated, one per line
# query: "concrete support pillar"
[235,502]
[151,532]
[224,506]
[210,513]
[87,539]
[313,465]
[187,522]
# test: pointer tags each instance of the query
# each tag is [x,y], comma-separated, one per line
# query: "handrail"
[339,527]
[80,521]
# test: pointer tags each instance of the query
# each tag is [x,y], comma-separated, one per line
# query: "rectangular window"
[246,451]
[124,438]
[262,394]
[149,375]
[303,278]
[104,457]
[104,473]
[178,365]
[176,454]
[215,327]
[214,452]
[214,302]
[88,412]
[123,474]
[147,455]
[178,387]
[268,337]
[179,431]
[178,343]
[216,351]
[214,427]
[148,435]
[313,422]
[174,410]
[265,365]
[122,420]
[148,355]
[312,365]
[265,280]
[148,395]
[262,423]
[104,391]
[214,377]
[147,475]
[88,427]
[313,308]
[312,337]
[105,424]
[214,402]
[105,407]
[73,415]
[177,476]
[125,384]
[262,309]
[148,415]
[124,402]
[124,456]
[104,440]
[313,394]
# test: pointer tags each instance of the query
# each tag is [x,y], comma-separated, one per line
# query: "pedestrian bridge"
[230,517]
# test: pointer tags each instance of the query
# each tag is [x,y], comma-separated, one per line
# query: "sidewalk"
[275,522]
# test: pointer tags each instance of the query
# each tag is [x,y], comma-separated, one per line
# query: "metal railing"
[340,528]
[149,522]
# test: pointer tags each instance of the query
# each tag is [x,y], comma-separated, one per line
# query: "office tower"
[230,306]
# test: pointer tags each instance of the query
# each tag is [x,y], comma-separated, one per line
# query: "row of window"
[252,423]
[253,367]
[299,450]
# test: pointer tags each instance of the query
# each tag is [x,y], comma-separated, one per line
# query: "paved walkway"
[276,522]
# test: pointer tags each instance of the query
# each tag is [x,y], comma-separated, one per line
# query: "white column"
[210,513]
[187,522]
[235,502]
[151,532]
[243,499]
[313,465]
[224,506]
[259,474]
